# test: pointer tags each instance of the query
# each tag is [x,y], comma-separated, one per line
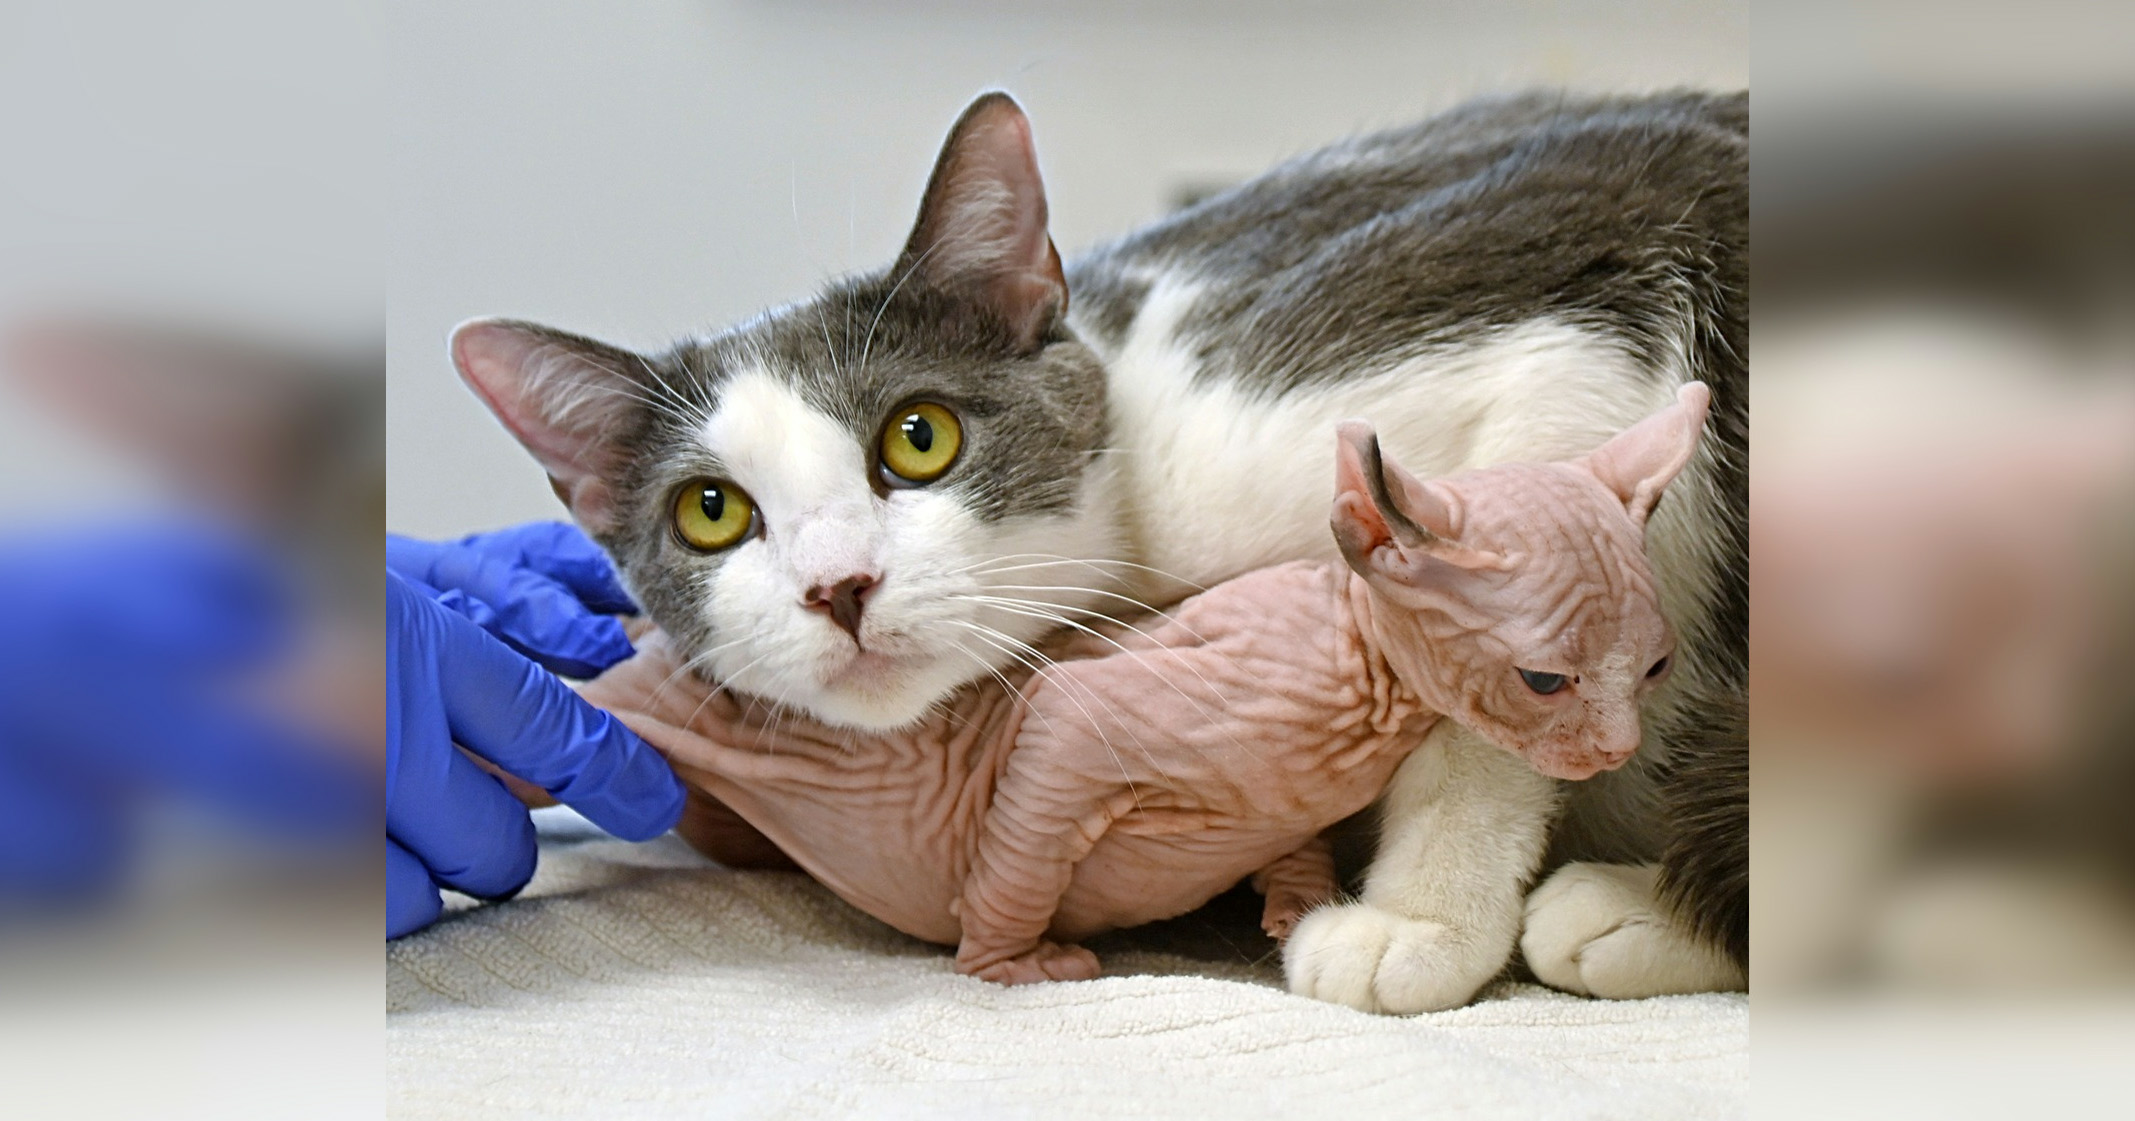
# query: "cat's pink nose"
[842,601]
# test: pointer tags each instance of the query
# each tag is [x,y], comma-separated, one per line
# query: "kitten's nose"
[842,601]
[1619,750]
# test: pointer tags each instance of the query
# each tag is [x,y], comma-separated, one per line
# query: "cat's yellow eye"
[920,442]
[710,515]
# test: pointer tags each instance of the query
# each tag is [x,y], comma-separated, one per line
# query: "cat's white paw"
[1376,961]
[1600,930]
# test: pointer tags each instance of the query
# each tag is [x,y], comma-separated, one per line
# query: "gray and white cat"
[856,503]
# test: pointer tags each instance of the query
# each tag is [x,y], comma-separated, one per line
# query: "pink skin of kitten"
[1152,767]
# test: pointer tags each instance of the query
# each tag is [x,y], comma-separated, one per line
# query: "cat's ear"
[1388,522]
[566,398]
[1640,462]
[981,232]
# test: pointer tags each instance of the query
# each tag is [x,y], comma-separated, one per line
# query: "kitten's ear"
[1640,462]
[566,398]
[1390,523]
[981,231]
[1376,501]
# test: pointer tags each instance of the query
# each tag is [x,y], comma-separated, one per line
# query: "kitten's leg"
[715,830]
[1295,884]
[1465,825]
[1039,827]
[712,772]
[1603,930]
[1064,785]
[708,824]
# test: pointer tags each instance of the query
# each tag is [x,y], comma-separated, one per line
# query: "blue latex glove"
[124,653]
[543,588]
[449,823]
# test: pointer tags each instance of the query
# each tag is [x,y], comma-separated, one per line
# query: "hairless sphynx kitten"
[1148,768]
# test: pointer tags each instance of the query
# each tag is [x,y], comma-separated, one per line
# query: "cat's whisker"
[726,687]
[684,410]
[701,658]
[988,635]
[1046,720]
[759,699]
[1094,725]
[1038,609]
[637,390]
[1206,646]
[1049,662]
[699,411]
[1062,558]
[1137,604]
[1136,655]
[778,717]
[1049,559]
[778,710]
[942,708]
[830,350]
[909,271]
[848,302]
[688,664]
[656,404]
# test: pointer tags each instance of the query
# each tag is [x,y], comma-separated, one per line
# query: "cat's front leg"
[1464,825]
[1602,930]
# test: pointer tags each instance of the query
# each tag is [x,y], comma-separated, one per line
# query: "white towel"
[643,981]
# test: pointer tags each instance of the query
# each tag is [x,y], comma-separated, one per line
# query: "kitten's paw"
[1600,930]
[1295,884]
[1047,961]
[1376,961]
[1282,911]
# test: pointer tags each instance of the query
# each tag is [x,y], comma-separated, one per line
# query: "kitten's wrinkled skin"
[1152,767]
[1513,280]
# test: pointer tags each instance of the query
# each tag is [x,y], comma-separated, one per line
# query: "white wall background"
[641,171]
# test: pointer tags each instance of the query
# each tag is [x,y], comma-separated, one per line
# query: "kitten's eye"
[710,516]
[1658,669]
[1543,683]
[920,443]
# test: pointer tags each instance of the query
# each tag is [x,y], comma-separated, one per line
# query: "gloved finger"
[205,598]
[179,597]
[411,898]
[412,557]
[63,835]
[563,553]
[211,749]
[518,716]
[557,550]
[458,820]
[532,613]
[544,621]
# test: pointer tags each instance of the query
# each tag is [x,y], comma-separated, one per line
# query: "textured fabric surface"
[643,981]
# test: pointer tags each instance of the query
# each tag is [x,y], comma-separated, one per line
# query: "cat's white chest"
[1216,476]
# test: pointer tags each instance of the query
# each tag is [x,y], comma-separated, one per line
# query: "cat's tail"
[1705,869]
